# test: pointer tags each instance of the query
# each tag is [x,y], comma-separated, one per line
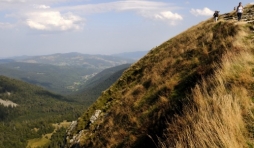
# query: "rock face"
[8,103]
[95,116]
[72,127]
[73,140]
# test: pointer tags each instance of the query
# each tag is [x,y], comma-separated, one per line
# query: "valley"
[30,115]
[59,73]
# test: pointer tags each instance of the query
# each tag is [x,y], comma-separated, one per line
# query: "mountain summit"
[194,90]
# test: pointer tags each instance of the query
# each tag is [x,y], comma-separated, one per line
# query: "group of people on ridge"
[239,11]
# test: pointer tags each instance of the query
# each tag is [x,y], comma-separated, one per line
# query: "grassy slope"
[193,83]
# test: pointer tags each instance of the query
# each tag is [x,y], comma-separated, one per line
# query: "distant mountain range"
[59,58]
[77,59]
[6,61]
[60,73]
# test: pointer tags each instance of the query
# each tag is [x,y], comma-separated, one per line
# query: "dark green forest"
[37,109]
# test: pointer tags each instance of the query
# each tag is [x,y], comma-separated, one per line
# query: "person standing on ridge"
[239,11]
[216,15]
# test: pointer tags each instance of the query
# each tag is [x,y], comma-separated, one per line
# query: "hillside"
[194,90]
[28,111]
[93,88]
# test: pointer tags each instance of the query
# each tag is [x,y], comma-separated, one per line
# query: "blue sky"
[29,27]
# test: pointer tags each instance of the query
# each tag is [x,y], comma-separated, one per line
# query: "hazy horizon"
[113,54]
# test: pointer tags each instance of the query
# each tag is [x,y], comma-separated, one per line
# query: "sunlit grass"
[216,116]
[45,139]
[38,142]
[197,86]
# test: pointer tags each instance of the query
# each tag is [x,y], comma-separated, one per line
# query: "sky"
[42,27]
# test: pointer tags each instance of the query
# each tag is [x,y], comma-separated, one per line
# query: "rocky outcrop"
[95,116]
[8,103]
[73,140]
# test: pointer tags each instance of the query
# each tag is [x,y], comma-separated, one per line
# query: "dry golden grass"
[165,85]
[215,117]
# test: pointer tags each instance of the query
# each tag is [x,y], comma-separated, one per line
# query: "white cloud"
[41,16]
[6,25]
[23,4]
[41,6]
[205,12]
[151,10]
[13,1]
[168,15]
[148,9]
[54,20]
[33,1]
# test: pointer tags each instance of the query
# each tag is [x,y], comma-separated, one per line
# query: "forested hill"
[28,111]
[194,90]
[100,82]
